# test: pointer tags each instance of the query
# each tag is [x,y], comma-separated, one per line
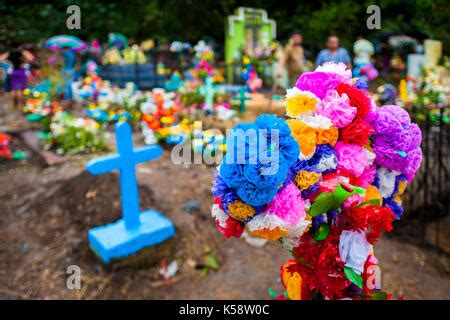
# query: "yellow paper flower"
[294,287]
[299,102]
[329,136]
[305,136]
[308,218]
[269,234]
[305,179]
[292,281]
[401,187]
[398,200]
[241,211]
[372,193]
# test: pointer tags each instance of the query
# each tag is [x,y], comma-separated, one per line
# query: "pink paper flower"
[318,82]
[351,157]
[337,109]
[288,204]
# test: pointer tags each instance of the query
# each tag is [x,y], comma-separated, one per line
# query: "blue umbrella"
[65,41]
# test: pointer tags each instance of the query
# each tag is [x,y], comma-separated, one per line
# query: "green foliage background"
[191,20]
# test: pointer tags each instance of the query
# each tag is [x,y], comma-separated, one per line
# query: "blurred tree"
[191,20]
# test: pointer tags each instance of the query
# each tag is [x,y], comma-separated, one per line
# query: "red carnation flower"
[340,172]
[358,98]
[320,266]
[234,228]
[357,132]
[375,219]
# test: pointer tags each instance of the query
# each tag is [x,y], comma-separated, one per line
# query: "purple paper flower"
[396,141]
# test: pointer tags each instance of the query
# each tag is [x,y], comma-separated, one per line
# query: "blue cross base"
[114,241]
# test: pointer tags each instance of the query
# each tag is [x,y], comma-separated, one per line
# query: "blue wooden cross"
[242,98]
[208,91]
[137,229]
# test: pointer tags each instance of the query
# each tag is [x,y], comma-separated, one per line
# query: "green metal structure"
[248,29]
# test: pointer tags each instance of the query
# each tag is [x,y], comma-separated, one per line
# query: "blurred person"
[363,50]
[364,69]
[18,57]
[293,58]
[333,53]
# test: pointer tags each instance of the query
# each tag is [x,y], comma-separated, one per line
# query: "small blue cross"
[242,98]
[136,230]
[208,91]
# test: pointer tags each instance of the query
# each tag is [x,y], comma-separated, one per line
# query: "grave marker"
[136,230]
[242,98]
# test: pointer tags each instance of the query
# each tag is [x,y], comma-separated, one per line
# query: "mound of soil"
[44,230]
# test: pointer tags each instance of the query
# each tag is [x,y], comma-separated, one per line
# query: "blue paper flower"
[396,208]
[256,196]
[232,174]
[219,187]
[258,171]
[322,152]
[228,198]
[271,122]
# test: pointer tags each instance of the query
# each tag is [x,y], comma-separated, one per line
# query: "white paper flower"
[337,68]
[354,249]
[219,215]
[316,121]
[386,180]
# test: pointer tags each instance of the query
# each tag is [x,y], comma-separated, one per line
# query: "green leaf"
[204,272]
[353,277]
[322,232]
[333,200]
[377,295]
[272,293]
[212,262]
[374,202]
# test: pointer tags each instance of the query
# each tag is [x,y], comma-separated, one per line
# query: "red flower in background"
[4,149]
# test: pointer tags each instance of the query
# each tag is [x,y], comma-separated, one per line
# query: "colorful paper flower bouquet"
[71,135]
[325,183]
[159,114]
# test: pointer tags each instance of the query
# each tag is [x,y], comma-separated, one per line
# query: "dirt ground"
[45,214]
